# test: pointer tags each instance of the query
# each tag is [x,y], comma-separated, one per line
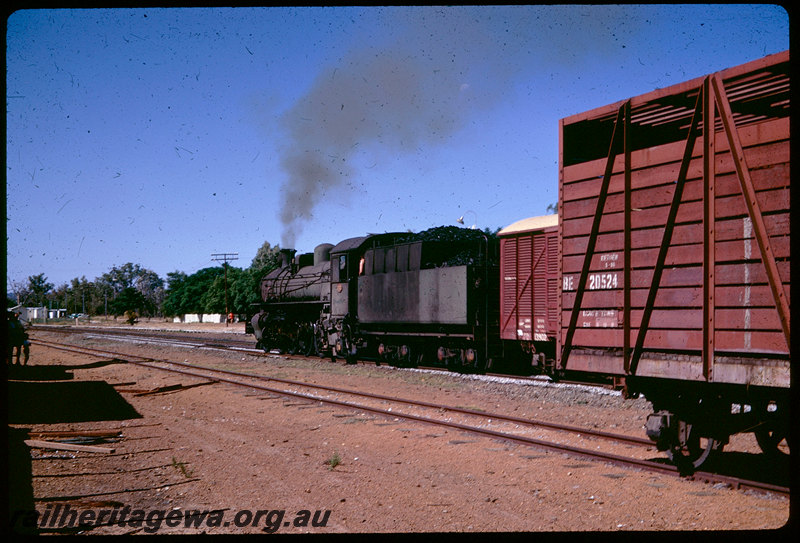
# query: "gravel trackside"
[260,462]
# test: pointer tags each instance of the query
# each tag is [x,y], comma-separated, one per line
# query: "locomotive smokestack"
[286,257]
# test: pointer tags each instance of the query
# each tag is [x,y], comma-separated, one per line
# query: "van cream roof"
[532,223]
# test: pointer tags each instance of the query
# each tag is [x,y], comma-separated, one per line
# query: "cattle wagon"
[675,254]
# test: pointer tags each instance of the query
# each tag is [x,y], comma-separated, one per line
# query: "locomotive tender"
[667,269]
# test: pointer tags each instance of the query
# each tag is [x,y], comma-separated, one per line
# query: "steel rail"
[149,363]
[243,345]
[611,458]
[453,409]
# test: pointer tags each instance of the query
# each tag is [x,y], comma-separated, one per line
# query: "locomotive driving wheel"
[307,342]
[688,451]
[303,345]
[348,345]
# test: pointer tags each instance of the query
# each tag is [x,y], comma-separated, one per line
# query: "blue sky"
[162,136]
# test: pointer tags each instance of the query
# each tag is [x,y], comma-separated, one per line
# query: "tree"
[186,293]
[129,299]
[204,290]
[152,288]
[213,300]
[267,258]
[173,296]
[246,289]
[81,290]
[20,293]
[102,295]
[38,287]
[122,277]
[131,275]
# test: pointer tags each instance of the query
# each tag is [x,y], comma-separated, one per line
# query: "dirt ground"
[259,462]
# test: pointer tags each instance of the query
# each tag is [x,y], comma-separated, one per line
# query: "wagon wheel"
[769,440]
[481,362]
[473,366]
[403,356]
[689,450]
[461,362]
[388,354]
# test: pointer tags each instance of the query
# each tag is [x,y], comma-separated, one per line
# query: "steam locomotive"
[666,269]
[399,298]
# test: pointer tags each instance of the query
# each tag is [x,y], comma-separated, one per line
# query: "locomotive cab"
[341,324]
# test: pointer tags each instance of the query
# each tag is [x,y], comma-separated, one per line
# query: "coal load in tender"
[460,246]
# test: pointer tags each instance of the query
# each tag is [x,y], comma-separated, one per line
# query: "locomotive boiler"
[293,297]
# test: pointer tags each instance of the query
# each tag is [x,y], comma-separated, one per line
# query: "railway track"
[195,339]
[570,440]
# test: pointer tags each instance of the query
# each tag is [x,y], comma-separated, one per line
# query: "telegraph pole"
[224,258]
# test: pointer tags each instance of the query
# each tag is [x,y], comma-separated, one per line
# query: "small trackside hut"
[675,254]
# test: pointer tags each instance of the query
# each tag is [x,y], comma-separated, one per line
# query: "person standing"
[17,339]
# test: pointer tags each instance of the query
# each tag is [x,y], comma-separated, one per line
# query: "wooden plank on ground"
[39,444]
[77,433]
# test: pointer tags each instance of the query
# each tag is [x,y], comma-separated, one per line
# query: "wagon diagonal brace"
[694,129]
[709,230]
[749,193]
[587,259]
